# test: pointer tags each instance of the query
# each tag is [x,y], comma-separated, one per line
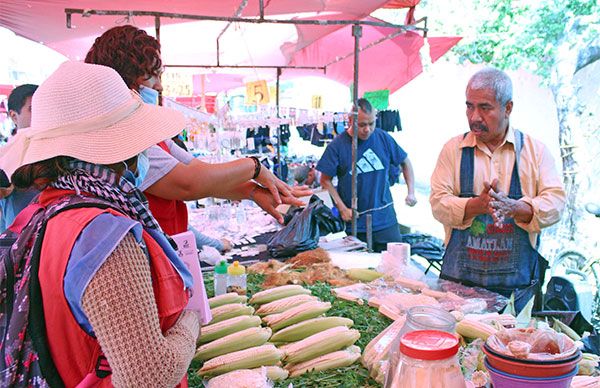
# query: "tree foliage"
[523,34]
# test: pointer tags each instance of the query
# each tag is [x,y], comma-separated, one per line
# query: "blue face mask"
[149,95]
[143,165]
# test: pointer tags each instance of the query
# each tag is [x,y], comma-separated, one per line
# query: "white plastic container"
[220,279]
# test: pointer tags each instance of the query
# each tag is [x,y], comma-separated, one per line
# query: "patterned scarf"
[100,181]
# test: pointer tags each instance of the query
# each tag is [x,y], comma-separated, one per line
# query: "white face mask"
[149,95]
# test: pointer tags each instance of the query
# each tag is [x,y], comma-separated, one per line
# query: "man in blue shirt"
[377,153]
[13,200]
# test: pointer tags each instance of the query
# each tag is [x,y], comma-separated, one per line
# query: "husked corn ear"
[278,306]
[309,327]
[339,359]
[221,329]
[266,355]
[363,274]
[276,293]
[254,336]
[319,344]
[274,373]
[243,378]
[229,298]
[471,328]
[227,311]
[296,314]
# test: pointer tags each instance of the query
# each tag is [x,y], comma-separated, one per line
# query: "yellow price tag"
[257,92]
[317,102]
[177,84]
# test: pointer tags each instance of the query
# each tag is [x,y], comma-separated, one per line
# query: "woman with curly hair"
[175,175]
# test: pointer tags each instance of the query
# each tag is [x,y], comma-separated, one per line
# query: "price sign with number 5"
[257,93]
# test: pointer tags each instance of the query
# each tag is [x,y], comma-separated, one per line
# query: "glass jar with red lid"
[428,360]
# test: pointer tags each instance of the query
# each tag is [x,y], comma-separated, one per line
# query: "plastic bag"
[304,229]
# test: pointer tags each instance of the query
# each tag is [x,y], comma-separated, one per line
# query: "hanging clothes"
[388,120]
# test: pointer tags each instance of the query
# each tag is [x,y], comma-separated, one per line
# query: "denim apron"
[499,258]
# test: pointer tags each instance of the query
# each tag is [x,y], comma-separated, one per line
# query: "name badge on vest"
[188,252]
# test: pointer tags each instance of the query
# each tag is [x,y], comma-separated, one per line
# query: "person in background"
[377,151]
[85,145]
[175,175]
[13,200]
[494,189]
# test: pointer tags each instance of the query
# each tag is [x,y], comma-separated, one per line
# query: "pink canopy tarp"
[390,64]
[45,21]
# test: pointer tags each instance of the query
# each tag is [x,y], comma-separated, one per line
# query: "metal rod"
[90,12]
[369,232]
[157,27]
[261,9]
[252,67]
[356,32]
[279,167]
[237,14]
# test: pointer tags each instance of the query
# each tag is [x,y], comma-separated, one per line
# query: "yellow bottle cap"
[236,269]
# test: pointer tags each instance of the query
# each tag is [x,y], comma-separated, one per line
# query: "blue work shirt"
[375,156]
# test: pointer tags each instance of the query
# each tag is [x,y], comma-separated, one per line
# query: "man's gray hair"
[492,78]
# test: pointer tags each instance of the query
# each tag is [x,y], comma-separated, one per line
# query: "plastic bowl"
[491,351]
[506,380]
[535,370]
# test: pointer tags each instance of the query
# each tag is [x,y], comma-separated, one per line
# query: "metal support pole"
[356,32]
[279,167]
[102,12]
[157,31]
[370,232]
[261,9]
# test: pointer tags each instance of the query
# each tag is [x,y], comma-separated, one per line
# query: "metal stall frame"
[236,18]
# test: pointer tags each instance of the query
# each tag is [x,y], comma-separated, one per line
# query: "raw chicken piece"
[519,349]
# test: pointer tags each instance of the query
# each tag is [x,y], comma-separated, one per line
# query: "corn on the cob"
[274,373]
[339,359]
[229,298]
[309,327]
[254,336]
[227,311]
[363,274]
[296,314]
[276,293]
[226,327]
[322,343]
[562,328]
[266,355]
[470,328]
[281,305]
[243,378]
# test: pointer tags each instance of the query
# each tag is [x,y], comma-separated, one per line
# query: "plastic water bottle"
[220,280]
[236,281]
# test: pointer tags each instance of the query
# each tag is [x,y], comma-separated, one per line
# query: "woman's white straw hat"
[87,112]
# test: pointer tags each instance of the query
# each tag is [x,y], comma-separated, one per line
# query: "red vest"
[171,214]
[73,351]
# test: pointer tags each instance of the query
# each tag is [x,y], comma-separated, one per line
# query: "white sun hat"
[87,112]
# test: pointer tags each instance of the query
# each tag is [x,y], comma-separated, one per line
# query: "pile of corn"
[295,338]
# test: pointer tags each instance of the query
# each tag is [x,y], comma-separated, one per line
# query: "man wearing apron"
[491,236]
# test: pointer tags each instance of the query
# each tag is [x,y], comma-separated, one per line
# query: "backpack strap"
[23,218]
[37,323]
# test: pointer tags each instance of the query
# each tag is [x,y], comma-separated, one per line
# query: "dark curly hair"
[130,51]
